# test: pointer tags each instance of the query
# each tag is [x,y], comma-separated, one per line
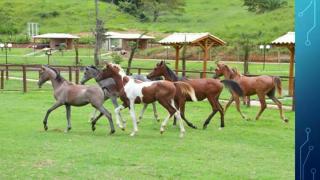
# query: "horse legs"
[237,100]
[115,105]
[182,110]
[275,100]
[93,116]
[155,113]
[142,112]
[216,106]
[68,112]
[228,104]
[108,115]
[263,104]
[45,121]
[133,116]
[118,115]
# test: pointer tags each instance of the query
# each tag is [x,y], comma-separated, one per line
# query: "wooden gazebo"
[204,40]
[288,40]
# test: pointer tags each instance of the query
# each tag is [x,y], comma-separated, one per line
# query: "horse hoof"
[220,128]
[181,135]
[204,127]
[132,134]
[123,129]
[45,128]
[193,126]
[161,131]
[93,128]
[286,120]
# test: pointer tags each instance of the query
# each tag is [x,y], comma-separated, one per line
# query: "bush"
[116,58]
[261,6]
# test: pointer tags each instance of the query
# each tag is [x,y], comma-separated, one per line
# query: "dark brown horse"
[204,89]
[133,91]
[261,85]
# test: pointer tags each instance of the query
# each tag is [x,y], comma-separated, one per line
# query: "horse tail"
[233,86]
[277,83]
[186,89]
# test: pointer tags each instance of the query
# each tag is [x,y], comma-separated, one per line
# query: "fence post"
[201,74]
[70,73]
[2,80]
[24,77]
[7,72]
[77,75]
[139,71]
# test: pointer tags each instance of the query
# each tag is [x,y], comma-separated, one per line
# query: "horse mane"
[59,78]
[236,71]
[172,75]
[121,71]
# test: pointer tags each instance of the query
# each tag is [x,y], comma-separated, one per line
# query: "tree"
[100,35]
[157,8]
[246,45]
[134,46]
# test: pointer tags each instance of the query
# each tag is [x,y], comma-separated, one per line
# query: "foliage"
[116,58]
[8,19]
[45,15]
[157,8]
[261,6]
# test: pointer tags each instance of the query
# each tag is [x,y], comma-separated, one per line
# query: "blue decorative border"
[307,90]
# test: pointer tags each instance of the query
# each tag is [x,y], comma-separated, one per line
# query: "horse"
[110,90]
[204,89]
[133,91]
[261,85]
[69,94]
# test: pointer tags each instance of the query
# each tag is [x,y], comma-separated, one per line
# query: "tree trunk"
[96,48]
[155,16]
[76,51]
[246,60]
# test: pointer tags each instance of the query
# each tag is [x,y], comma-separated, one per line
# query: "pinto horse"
[261,85]
[133,91]
[109,87]
[204,88]
[69,94]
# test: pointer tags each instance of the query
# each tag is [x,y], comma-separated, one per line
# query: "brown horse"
[69,94]
[133,91]
[261,85]
[204,88]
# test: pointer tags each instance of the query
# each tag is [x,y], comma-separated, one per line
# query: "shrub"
[261,6]
[116,58]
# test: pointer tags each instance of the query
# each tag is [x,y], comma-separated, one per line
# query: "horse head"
[89,73]
[46,73]
[110,71]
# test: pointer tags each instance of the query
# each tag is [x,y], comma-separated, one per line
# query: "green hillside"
[226,19]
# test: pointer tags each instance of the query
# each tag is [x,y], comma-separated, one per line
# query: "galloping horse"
[110,90]
[69,94]
[133,91]
[204,88]
[261,85]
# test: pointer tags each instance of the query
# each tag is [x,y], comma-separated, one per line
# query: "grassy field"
[226,19]
[261,149]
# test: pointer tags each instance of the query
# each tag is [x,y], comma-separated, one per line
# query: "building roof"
[56,36]
[116,35]
[286,39]
[180,38]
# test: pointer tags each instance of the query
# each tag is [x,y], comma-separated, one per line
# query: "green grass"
[226,19]
[261,149]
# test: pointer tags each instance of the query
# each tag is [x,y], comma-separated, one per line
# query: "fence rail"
[5,70]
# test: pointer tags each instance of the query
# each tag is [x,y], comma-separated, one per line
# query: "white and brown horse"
[69,94]
[133,91]
[261,85]
[206,88]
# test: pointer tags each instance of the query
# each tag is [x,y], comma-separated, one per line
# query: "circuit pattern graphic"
[303,158]
[311,5]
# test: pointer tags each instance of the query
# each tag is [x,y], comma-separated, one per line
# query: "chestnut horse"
[69,94]
[261,85]
[204,88]
[133,91]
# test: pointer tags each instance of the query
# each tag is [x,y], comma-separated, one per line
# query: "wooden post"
[24,78]
[139,71]
[2,80]
[291,70]
[39,73]
[177,59]
[7,72]
[205,59]
[70,73]
[77,75]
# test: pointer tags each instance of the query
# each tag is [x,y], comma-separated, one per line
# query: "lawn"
[261,149]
